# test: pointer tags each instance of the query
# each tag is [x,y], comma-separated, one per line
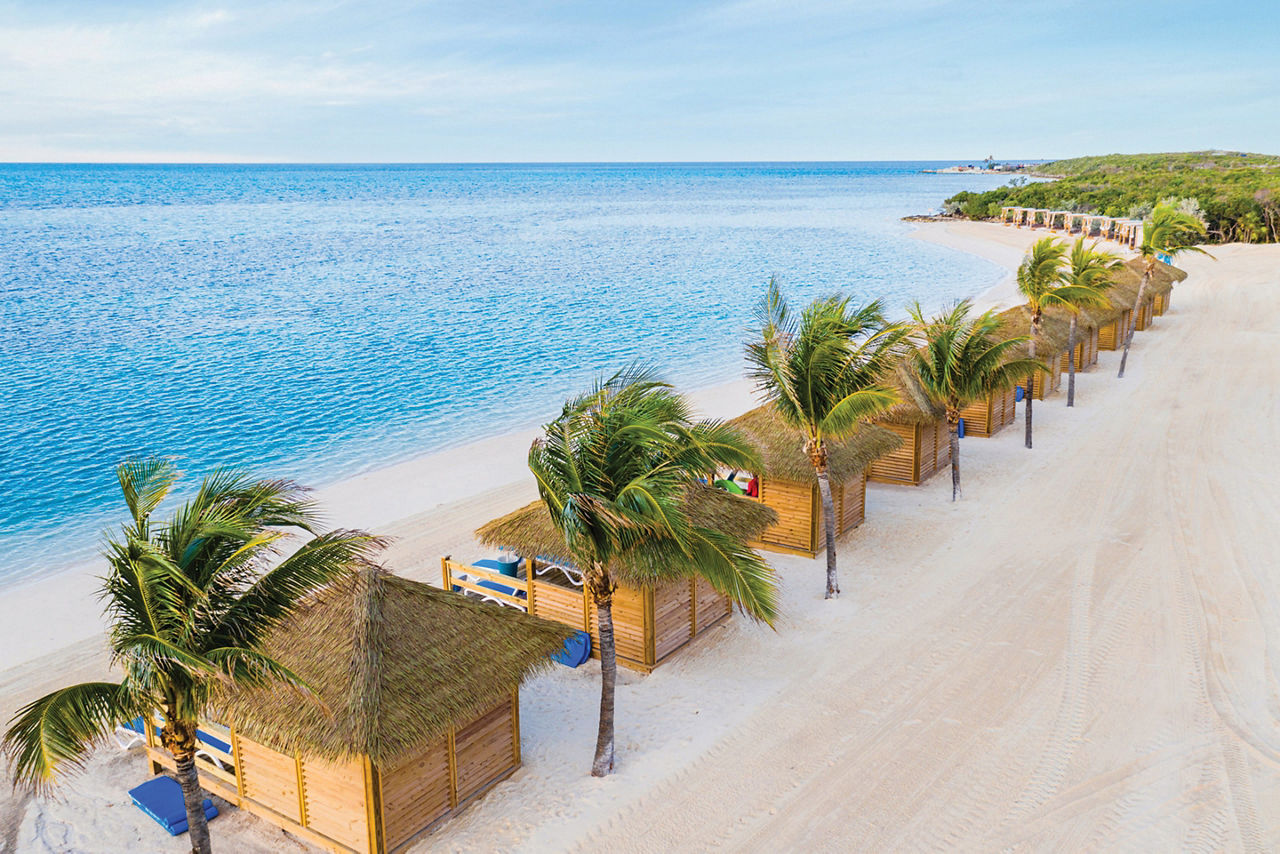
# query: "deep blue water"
[315,321]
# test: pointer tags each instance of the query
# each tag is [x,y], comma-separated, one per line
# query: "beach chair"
[161,798]
[130,735]
[204,738]
[497,587]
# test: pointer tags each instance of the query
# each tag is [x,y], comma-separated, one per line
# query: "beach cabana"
[650,624]
[789,486]
[416,713]
[926,445]
[990,415]
[1124,292]
[1160,288]
[1050,345]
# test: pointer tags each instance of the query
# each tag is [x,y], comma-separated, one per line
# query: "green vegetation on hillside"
[1237,195]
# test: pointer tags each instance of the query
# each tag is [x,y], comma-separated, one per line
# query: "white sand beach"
[1078,655]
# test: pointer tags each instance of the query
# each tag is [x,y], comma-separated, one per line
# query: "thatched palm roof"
[914,405]
[1055,326]
[1163,279]
[1120,298]
[782,448]
[529,531]
[393,664]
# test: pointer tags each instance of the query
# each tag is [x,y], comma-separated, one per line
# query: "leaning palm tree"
[824,371]
[189,603]
[961,360]
[1040,282]
[1169,232]
[615,470]
[1088,269]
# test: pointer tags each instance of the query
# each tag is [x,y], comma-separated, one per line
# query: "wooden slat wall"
[672,617]
[935,449]
[485,751]
[1109,335]
[270,778]
[980,417]
[794,504]
[415,794]
[629,633]
[987,417]
[1063,365]
[712,606]
[334,795]
[1145,317]
[561,604]
[852,505]
[1004,408]
[1043,383]
[900,465]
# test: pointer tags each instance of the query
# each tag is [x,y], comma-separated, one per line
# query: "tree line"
[1237,195]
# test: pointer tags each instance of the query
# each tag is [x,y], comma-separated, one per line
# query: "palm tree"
[962,360]
[189,602]
[824,372]
[614,471]
[1040,281]
[1088,269]
[1170,232]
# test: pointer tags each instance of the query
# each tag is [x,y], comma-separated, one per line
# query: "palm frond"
[58,730]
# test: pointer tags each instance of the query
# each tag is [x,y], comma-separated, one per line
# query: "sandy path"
[1082,659]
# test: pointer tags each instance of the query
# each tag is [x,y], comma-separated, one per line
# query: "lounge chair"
[133,733]
[161,798]
[130,735]
[497,587]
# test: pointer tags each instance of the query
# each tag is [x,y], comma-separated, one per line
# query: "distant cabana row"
[650,624]
[789,486]
[1127,232]
[414,713]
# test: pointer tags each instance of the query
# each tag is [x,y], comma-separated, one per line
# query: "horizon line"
[500,162]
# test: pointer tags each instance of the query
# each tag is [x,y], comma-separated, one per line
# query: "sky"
[646,80]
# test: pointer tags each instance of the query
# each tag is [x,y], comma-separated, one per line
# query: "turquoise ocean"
[315,322]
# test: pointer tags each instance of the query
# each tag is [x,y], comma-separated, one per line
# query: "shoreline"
[389,500]
[991,679]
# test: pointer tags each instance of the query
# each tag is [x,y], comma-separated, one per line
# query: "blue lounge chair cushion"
[213,741]
[137,726]
[161,799]
[577,649]
[497,566]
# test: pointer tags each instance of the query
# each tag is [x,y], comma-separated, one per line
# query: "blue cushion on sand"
[161,799]
[577,649]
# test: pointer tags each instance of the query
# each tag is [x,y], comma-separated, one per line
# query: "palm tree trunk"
[1147,270]
[179,738]
[1071,363]
[602,595]
[1031,381]
[829,528]
[953,428]
[193,799]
